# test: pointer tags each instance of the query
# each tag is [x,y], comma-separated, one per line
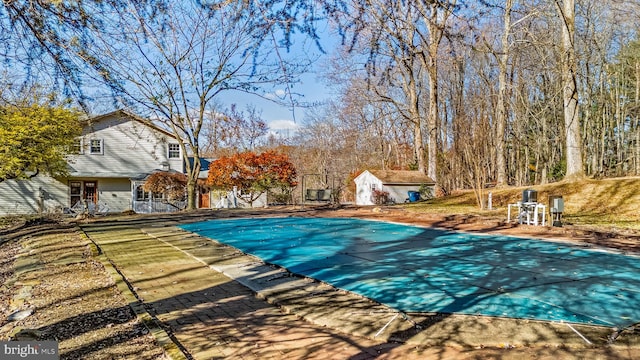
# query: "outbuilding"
[389,186]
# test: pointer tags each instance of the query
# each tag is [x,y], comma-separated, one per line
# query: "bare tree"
[378,131]
[403,40]
[232,131]
[608,83]
[41,37]
[171,66]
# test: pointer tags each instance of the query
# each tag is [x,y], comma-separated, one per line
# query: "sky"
[313,89]
[280,118]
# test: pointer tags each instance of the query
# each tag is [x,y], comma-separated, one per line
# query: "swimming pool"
[415,269]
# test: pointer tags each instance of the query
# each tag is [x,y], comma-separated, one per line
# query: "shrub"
[380,197]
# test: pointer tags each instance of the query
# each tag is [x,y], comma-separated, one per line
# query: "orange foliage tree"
[253,173]
[172,185]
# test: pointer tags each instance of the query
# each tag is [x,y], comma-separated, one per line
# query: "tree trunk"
[570,91]
[193,172]
[191,194]
[419,146]
[432,121]
[418,141]
[637,120]
[501,121]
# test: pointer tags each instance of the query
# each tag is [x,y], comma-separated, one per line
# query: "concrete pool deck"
[215,302]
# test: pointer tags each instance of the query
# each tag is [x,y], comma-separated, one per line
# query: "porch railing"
[157,206]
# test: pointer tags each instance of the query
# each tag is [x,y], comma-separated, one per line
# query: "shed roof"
[399,177]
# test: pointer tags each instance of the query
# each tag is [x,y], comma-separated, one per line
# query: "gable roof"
[401,177]
[123,115]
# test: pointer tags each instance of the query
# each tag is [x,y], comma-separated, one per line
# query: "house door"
[91,192]
[204,200]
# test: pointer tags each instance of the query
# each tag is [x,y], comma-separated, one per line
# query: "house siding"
[21,197]
[115,194]
[129,147]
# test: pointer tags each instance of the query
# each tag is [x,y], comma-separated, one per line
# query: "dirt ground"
[75,300]
[54,284]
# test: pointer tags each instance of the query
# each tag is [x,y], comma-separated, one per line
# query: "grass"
[606,203]
[7,221]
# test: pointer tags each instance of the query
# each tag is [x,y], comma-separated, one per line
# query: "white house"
[397,183]
[115,153]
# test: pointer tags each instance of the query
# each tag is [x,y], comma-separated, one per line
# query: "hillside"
[607,203]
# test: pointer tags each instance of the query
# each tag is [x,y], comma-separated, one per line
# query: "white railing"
[157,206]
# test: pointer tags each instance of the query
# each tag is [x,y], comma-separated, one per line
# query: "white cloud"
[283,128]
[283,125]
[278,94]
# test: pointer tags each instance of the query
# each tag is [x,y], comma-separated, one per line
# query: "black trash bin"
[529,196]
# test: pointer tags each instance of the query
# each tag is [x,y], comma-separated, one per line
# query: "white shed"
[397,183]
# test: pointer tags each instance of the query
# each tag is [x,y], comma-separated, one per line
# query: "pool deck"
[206,300]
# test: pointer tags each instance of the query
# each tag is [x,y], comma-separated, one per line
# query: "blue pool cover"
[414,269]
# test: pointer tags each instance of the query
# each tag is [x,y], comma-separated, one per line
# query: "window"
[77,147]
[141,195]
[174,151]
[75,190]
[157,196]
[96,146]
[374,187]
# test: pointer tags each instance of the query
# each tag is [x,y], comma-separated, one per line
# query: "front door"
[91,192]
